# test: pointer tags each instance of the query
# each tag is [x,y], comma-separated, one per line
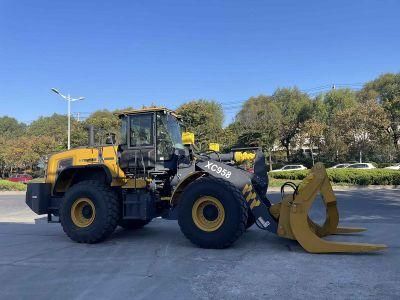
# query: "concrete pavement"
[38,261]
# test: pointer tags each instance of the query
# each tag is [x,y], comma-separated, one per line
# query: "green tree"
[295,108]
[3,165]
[386,91]
[313,130]
[229,136]
[319,110]
[325,108]
[104,122]
[56,126]
[204,118]
[11,128]
[338,100]
[259,122]
[362,128]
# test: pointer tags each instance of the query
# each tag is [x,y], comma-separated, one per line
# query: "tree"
[362,128]
[258,124]
[295,108]
[325,108]
[259,121]
[385,90]
[204,118]
[56,126]
[338,100]
[313,130]
[229,136]
[11,128]
[104,122]
[3,164]
[319,110]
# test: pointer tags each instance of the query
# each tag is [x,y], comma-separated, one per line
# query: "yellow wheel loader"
[156,171]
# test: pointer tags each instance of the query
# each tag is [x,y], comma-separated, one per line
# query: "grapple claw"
[294,222]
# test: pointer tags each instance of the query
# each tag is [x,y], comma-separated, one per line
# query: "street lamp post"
[69,100]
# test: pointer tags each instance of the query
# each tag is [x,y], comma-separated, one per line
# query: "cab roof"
[148,109]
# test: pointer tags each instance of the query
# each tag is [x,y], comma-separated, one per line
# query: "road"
[38,261]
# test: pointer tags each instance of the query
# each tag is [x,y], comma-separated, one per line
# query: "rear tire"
[133,224]
[89,212]
[209,227]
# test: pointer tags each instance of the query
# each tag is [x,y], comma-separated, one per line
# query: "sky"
[132,53]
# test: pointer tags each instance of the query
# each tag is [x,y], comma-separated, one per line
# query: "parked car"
[340,166]
[394,167]
[364,166]
[23,178]
[290,168]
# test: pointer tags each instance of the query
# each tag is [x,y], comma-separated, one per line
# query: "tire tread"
[238,196]
[113,213]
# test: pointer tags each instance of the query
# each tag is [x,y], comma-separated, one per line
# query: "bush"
[291,175]
[384,165]
[349,176]
[6,185]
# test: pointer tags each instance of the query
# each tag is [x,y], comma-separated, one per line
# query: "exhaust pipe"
[91,135]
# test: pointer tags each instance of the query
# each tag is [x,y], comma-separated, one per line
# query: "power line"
[232,106]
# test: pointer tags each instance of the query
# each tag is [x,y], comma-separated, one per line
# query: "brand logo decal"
[219,170]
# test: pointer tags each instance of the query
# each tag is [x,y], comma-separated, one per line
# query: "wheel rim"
[208,213]
[83,212]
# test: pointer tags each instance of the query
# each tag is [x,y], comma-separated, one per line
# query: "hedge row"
[349,176]
[6,185]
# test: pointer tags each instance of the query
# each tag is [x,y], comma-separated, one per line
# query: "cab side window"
[124,129]
[164,143]
[141,130]
[64,163]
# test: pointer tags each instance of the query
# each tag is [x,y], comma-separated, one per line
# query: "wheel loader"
[157,171]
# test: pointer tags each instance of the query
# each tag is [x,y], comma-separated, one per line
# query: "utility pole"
[69,100]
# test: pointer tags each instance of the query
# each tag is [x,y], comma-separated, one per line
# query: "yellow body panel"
[213,147]
[240,157]
[105,155]
[188,138]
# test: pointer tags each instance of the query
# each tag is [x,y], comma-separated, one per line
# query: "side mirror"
[111,140]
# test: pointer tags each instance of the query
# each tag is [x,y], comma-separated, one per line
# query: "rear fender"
[71,175]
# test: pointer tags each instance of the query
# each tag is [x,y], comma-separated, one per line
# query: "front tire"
[89,212]
[212,213]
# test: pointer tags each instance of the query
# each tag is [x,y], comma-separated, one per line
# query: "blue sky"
[133,53]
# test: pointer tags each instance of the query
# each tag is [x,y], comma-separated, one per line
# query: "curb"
[352,187]
[11,193]
[277,189]
[365,187]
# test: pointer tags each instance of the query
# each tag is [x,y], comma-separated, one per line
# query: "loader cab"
[149,140]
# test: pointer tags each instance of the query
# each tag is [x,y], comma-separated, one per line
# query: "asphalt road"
[37,261]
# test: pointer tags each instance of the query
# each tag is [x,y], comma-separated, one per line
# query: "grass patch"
[38,180]
[274,182]
[6,185]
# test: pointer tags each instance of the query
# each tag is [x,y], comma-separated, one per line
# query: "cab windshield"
[175,131]
[169,128]
[169,135]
